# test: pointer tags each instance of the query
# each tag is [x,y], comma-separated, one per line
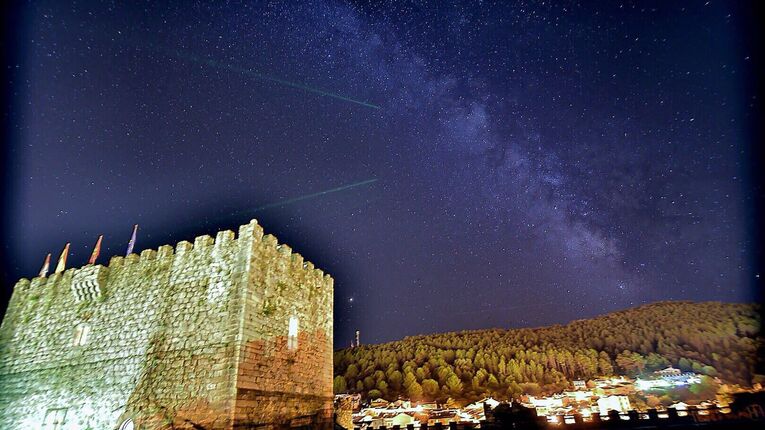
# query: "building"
[669,371]
[616,403]
[667,380]
[345,405]
[476,411]
[401,404]
[651,384]
[490,402]
[578,396]
[390,419]
[379,403]
[611,383]
[444,417]
[545,406]
[234,331]
[362,421]
[351,402]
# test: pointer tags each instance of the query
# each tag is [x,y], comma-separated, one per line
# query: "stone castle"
[227,333]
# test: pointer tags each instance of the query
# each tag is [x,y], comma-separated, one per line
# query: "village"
[586,401]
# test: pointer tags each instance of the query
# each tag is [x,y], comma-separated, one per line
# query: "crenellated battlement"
[250,234]
[217,261]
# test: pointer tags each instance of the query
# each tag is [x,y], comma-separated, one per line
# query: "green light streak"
[308,196]
[261,76]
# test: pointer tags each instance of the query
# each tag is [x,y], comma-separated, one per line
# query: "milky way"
[535,163]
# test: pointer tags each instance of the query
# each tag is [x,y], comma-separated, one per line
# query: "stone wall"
[191,337]
[276,384]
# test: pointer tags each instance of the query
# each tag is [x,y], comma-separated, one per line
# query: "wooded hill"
[712,338]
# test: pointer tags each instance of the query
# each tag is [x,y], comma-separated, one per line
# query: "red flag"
[131,244]
[96,251]
[61,266]
[45,267]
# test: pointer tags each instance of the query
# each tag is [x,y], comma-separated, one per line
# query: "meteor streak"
[290,84]
[308,196]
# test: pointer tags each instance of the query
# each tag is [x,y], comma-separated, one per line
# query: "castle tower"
[224,333]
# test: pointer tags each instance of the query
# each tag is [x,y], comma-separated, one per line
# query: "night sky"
[453,166]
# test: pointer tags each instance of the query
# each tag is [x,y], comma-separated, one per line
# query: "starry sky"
[453,165]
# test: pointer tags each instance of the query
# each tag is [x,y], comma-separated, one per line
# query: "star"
[531,161]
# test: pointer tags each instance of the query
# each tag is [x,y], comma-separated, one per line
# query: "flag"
[61,266]
[96,250]
[45,267]
[131,244]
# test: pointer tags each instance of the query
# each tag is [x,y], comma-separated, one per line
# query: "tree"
[451,403]
[714,339]
[414,391]
[454,385]
[631,362]
[339,385]
[653,402]
[374,394]
[421,375]
[493,383]
[369,382]
[604,365]
[655,361]
[684,364]
[409,378]
[706,389]
[514,390]
[395,379]
[430,388]
[709,370]
[531,388]
[351,372]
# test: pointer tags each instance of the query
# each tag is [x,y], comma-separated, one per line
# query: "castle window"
[81,333]
[292,334]
[54,419]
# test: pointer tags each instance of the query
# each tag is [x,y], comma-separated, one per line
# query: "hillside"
[716,339]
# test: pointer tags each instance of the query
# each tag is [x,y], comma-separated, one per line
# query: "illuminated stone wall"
[184,337]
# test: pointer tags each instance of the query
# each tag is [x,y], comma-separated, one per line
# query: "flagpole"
[131,244]
[45,267]
[96,250]
[61,266]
